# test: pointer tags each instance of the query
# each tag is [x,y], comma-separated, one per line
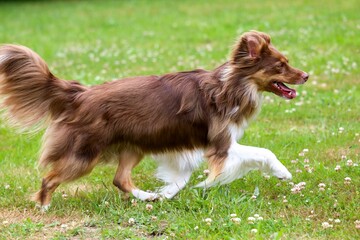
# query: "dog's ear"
[250,45]
[264,36]
[253,46]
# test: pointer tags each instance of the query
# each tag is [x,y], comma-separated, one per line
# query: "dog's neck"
[233,93]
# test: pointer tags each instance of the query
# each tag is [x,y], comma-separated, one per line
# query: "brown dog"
[177,117]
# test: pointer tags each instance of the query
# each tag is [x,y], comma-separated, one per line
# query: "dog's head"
[265,65]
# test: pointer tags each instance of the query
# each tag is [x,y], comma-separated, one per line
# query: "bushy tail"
[28,90]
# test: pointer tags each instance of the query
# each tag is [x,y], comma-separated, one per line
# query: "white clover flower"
[233,215]
[254,230]
[326,225]
[357,224]
[337,220]
[298,187]
[208,221]
[236,220]
[305,150]
[302,184]
[7,186]
[206,172]
[153,218]
[131,221]
[321,185]
[196,228]
[337,168]
[251,220]
[133,202]
[349,163]
[260,218]
[253,197]
[347,180]
[149,207]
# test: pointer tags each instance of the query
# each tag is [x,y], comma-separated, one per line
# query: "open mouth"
[283,90]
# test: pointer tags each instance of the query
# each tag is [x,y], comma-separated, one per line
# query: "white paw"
[281,172]
[277,169]
[145,196]
[168,192]
[171,190]
[167,195]
[43,208]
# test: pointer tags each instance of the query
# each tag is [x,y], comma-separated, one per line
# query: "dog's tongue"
[287,92]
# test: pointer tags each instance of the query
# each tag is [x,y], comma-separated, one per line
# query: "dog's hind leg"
[175,169]
[127,161]
[63,170]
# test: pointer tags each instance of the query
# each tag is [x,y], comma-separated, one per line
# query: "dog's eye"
[280,66]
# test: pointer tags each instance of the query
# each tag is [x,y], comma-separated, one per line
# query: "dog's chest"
[237,130]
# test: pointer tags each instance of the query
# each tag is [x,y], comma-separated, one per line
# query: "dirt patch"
[47,225]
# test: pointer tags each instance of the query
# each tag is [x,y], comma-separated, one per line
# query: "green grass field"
[97,41]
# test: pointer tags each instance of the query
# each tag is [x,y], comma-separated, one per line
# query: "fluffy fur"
[179,117]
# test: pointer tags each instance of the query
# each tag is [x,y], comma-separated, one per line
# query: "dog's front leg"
[255,158]
[242,159]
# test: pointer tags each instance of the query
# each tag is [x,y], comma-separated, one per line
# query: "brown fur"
[135,116]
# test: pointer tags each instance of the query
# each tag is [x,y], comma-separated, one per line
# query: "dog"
[179,118]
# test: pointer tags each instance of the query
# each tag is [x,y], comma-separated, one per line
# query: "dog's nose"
[305,76]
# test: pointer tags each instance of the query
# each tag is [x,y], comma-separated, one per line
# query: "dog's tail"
[28,90]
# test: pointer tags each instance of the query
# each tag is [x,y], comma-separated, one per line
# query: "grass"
[97,41]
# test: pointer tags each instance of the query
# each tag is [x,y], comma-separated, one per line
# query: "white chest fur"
[237,130]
